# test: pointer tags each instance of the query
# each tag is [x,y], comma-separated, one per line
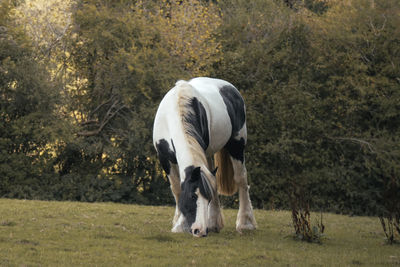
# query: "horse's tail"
[225,183]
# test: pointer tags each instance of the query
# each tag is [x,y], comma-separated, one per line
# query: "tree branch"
[356,140]
[111,113]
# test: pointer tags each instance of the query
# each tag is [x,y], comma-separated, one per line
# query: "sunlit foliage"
[320,78]
[46,23]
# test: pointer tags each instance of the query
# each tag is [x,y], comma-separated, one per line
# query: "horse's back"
[220,126]
[209,86]
[222,101]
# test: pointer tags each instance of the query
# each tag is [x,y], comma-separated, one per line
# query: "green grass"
[38,233]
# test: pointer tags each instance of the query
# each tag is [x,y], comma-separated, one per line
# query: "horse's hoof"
[177,229]
[245,227]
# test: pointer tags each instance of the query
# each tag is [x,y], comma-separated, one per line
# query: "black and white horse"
[196,121]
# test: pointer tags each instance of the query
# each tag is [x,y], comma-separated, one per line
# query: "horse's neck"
[187,149]
[191,153]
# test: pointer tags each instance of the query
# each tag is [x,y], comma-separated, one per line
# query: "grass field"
[38,233]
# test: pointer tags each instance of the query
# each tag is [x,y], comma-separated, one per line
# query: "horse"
[196,121]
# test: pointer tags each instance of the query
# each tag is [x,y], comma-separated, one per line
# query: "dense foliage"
[321,81]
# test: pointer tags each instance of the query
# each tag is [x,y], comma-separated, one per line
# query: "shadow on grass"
[8,223]
[161,238]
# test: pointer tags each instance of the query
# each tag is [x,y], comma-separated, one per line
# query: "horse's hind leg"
[235,146]
[245,218]
[177,225]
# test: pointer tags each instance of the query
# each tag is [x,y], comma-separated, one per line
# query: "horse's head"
[197,192]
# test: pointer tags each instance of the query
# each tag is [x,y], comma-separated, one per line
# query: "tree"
[321,93]
[125,56]
[29,123]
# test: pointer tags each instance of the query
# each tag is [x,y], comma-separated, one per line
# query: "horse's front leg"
[215,219]
[178,221]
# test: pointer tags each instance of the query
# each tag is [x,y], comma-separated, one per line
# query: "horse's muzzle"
[199,233]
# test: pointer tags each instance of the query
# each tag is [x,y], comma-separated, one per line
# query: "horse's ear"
[214,172]
[195,174]
[205,187]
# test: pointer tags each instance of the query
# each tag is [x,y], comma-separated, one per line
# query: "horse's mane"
[185,94]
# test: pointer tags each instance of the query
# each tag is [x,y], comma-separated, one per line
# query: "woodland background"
[81,80]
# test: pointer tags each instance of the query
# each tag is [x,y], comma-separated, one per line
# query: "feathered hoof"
[178,229]
[246,223]
[214,229]
[215,225]
[245,227]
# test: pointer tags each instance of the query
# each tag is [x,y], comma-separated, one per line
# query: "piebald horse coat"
[199,120]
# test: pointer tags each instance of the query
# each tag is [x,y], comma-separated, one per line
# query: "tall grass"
[304,229]
[36,233]
[390,218]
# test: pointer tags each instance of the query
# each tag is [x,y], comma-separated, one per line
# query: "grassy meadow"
[39,233]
